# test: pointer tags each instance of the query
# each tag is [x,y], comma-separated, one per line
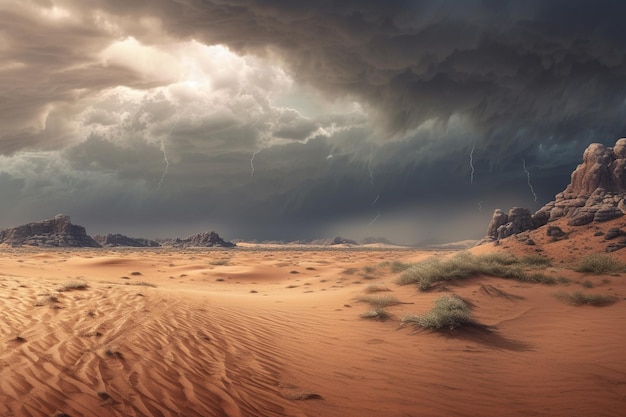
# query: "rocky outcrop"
[116,239]
[596,193]
[201,240]
[343,241]
[56,232]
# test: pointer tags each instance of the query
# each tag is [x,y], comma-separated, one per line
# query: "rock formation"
[56,232]
[113,240]
[338,240]
[596,193]
[204,240]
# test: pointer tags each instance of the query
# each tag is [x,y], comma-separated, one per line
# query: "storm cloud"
[98,98]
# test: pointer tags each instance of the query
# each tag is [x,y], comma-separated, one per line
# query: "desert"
[312,208]
[280,332]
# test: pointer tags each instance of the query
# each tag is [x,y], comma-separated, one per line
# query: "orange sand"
[277,333]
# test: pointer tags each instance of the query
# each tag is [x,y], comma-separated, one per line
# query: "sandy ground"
[260,332]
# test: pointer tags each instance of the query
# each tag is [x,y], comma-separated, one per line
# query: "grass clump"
[74,285]
[449,312]
[379,301]
[465,265]
[376,288]
[579,298]
[378,314]
[395,266]
[599,264]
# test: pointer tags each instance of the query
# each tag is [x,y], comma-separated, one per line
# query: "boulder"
[606,213]
[613,233]
[555,232]
[498,219]
[582,216]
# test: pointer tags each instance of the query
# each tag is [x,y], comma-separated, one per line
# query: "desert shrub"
[449,312]
[376,288]
[368,269]
[536,260]
[465,265]
[579,298]
[376,314]
[74,285]
[379,301]
[599,264]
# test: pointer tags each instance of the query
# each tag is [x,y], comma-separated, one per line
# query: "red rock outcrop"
[596,193]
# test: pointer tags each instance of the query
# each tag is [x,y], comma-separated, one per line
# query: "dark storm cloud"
[431,80]
[554,69]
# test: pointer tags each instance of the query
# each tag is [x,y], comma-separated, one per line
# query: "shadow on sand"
[486,335]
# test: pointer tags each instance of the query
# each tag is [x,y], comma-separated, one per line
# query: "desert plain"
[279,331]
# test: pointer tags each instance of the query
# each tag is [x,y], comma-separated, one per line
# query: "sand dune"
[278,333]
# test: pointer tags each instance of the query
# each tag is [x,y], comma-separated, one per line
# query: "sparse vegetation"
[465,265]
[376,288]
[379,301]
[449,312]
[219,262]
[378,314]
[578,298]
[74,285]
[600,264]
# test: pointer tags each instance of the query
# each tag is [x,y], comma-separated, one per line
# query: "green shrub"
[376,314]
[579,298]
[74,285]
[379,301]
[465,265]
[599,264]
[376,288]
[449,311]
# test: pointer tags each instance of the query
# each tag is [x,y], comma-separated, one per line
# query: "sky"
[281,120]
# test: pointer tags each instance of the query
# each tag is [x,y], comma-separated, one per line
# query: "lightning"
[528,179]
[167,165]
[471,162]
[165,159]
[480,206]
[375,218]
[376,199]
[255,153]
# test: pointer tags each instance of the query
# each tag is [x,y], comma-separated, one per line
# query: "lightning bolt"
[471,162]
[376,199]
[167,162]
[528,179]
[167,165]
[375,218]
[252,162]
[369,169]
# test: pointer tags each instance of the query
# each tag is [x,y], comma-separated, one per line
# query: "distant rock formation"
[56,232]
[596,193]
[114,240]
[373,240]
[203,240]
[343,241]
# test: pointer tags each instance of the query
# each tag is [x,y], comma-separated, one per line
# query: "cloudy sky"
[284,119]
